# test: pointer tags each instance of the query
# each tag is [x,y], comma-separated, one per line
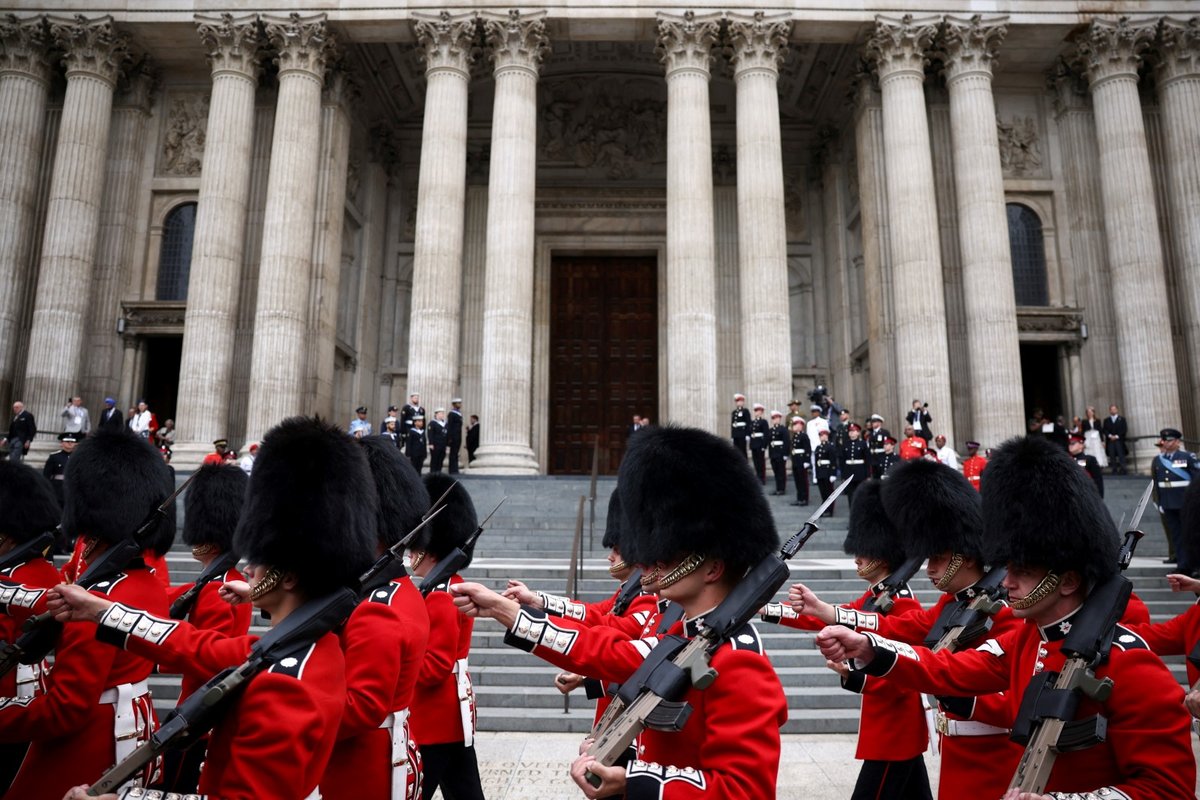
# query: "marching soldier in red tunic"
[443,721]
[1044,520]
[384,644]
[212,507]
[891,727]
[700,533]
[28,508]
[97,704]
[307,529]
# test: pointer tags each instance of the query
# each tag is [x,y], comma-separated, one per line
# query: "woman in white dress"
[1093,442]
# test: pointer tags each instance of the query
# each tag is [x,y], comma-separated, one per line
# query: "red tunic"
[1147,753]
[1177,636]
[973,470]
[276,738]
[891,723]
[75,565]
[729,747]
[23,595]
[70,731]
[436,715]
[384,645]
[210,612]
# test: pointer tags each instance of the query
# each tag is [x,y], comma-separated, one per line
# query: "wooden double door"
[603,357]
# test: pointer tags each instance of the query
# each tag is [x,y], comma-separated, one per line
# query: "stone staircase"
[530,539]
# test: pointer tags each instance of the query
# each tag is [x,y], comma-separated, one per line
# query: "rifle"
[453,563]
[652,697]
[37,547]
[966,623]
[201,710]
[887,589]
[41,631]
[214,571]
[1046,722]
[381,573]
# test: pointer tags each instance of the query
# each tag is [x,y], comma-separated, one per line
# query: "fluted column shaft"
[517,45]
[1178,72]
[923,359]
[759,46]
[997,400]
[1112,52]
[95,54]
[434,331]
[278,356]
[206,367]
[685,44]
[24,84]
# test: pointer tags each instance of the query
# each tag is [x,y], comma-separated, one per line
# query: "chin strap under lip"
[267,584]
[1039,593]
[956,562]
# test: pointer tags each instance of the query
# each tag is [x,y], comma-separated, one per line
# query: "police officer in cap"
[56,464]
[825,460]
[1173,470]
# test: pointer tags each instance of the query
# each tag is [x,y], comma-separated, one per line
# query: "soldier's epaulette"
[293,664]
[384,594]
[441,587]
[747,638]
[105,587]
[1128,640]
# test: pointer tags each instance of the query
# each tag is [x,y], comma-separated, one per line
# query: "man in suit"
[920,420]
[436,435]
[20,433]
[110,417]
[472,438]
[454,429]
[1114,430]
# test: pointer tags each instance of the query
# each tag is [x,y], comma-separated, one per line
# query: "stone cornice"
[25,47]
[92,47]
[233,43]
[447,42]
[685,43]
[758,43]
[1114,49]
[302,44]
[1177,54]
[969,45]
[898,46]
[516,41]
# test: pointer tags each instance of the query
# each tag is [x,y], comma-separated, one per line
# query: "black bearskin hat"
[684,490]
[27,503]
[934,508]
[871,534]
[212,505]
[1041,509]
[453,526]
[403,499]
[614,523]
[311,507]
[1190,538]
[112,483]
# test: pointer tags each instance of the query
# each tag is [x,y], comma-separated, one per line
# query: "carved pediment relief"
[183,140]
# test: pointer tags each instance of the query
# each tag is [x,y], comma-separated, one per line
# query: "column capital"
[685,42]
[233,43]
[900,45]
[1177,54]
[447,42]
[341,88]
[758,43]
[25,47]
[516,41]
[969,46]
[1069,84]
[864,89]
[92,47]
[303,44]
[1114,49]
[139,85]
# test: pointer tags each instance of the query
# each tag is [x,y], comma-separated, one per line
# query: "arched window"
[1028,251]
[175,258]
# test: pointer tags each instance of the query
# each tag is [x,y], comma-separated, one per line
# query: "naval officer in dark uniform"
[739,424]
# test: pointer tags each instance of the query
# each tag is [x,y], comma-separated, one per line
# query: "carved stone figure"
[183,144]
[1020,149]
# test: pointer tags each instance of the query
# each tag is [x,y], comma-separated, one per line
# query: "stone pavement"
[533,766]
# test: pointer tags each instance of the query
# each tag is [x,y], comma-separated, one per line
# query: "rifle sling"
[385,576]
[657,674]
[27,551]
[1194,656]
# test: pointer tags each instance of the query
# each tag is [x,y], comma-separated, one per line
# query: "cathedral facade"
[570,213]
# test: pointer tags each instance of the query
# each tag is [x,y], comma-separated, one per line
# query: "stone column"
[1111,52]
[25,71]
[997,401]
[1178,75]
[685,46]
[278,356]
[95,56]
[433,360]
[897,48]
[206,367]
[759,46]
[517,45]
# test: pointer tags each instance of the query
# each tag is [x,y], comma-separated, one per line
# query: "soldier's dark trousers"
[739,442]
[436,459]
[893,780]
[1173,523]
[850,490]
[826,487]
[418,461]
[760,465]
[779,470]
[452,768]
[11,756]
[800,475]
[455,445]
